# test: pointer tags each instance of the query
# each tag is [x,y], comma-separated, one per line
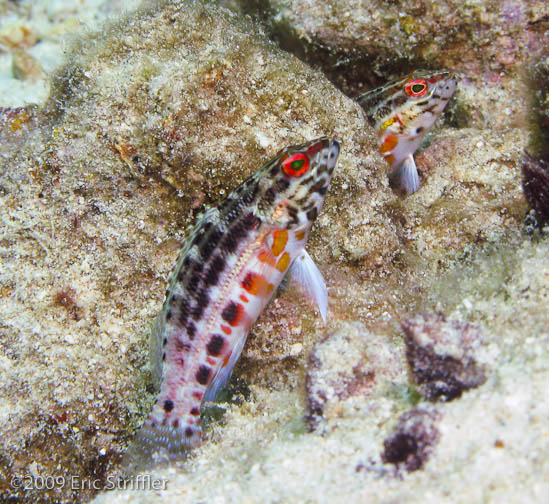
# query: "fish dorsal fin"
[305,273]
[156,349]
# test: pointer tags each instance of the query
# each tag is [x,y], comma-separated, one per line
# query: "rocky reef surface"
[427,383]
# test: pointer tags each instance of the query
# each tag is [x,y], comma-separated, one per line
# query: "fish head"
[404,110]
[296,182]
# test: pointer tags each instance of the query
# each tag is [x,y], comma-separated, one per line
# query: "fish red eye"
[416,87]
[295,165]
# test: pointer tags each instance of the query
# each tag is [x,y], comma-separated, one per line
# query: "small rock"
[440,354]
[413,440]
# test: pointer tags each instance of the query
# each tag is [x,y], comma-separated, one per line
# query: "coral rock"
[413,439]
[440,354]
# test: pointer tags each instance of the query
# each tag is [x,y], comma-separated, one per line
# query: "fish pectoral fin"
[308,277]
[406,175]
[224,372]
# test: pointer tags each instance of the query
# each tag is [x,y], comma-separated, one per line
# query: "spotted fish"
[402,112]
[235,256]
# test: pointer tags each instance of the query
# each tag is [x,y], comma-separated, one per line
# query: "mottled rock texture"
[350,364]
[535,183]
[481,39]
[163,112]
[413,440]
[441,353]
[167,110]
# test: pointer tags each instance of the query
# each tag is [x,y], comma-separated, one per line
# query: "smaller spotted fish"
[402,112]
[234,258]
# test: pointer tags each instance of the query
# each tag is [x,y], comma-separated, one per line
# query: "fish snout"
[447,86]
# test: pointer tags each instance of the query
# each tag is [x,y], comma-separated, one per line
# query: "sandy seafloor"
[471,257]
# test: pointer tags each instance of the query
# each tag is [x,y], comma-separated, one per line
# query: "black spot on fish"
[249,197]
[429,109]
[239,231]
[269,196]
[193,283]
[195,412]
[165,342]
[183,311]
[202,300]
[229,312]
[191,330]
[215,345]
[189,432]
[168,405]
[312,214]
[203,374]
[281,185]
[216,267]
[210,244]
[318,186]
[292,212]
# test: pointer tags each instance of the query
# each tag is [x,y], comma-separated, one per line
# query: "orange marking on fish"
[266,258]
[226,330]
[390,158]
[210,361]
[243,298]
[256,284]
[389,144]
[280,238]
[283,262]
[300,235]
[227,358]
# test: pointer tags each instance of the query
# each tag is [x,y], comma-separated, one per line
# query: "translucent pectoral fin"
[306,274]
[406,175]
[224,372]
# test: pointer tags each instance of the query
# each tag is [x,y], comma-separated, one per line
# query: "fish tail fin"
[156,444]
[406,176]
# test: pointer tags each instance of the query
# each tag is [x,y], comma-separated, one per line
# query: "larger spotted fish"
[402,112]
[236,255]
